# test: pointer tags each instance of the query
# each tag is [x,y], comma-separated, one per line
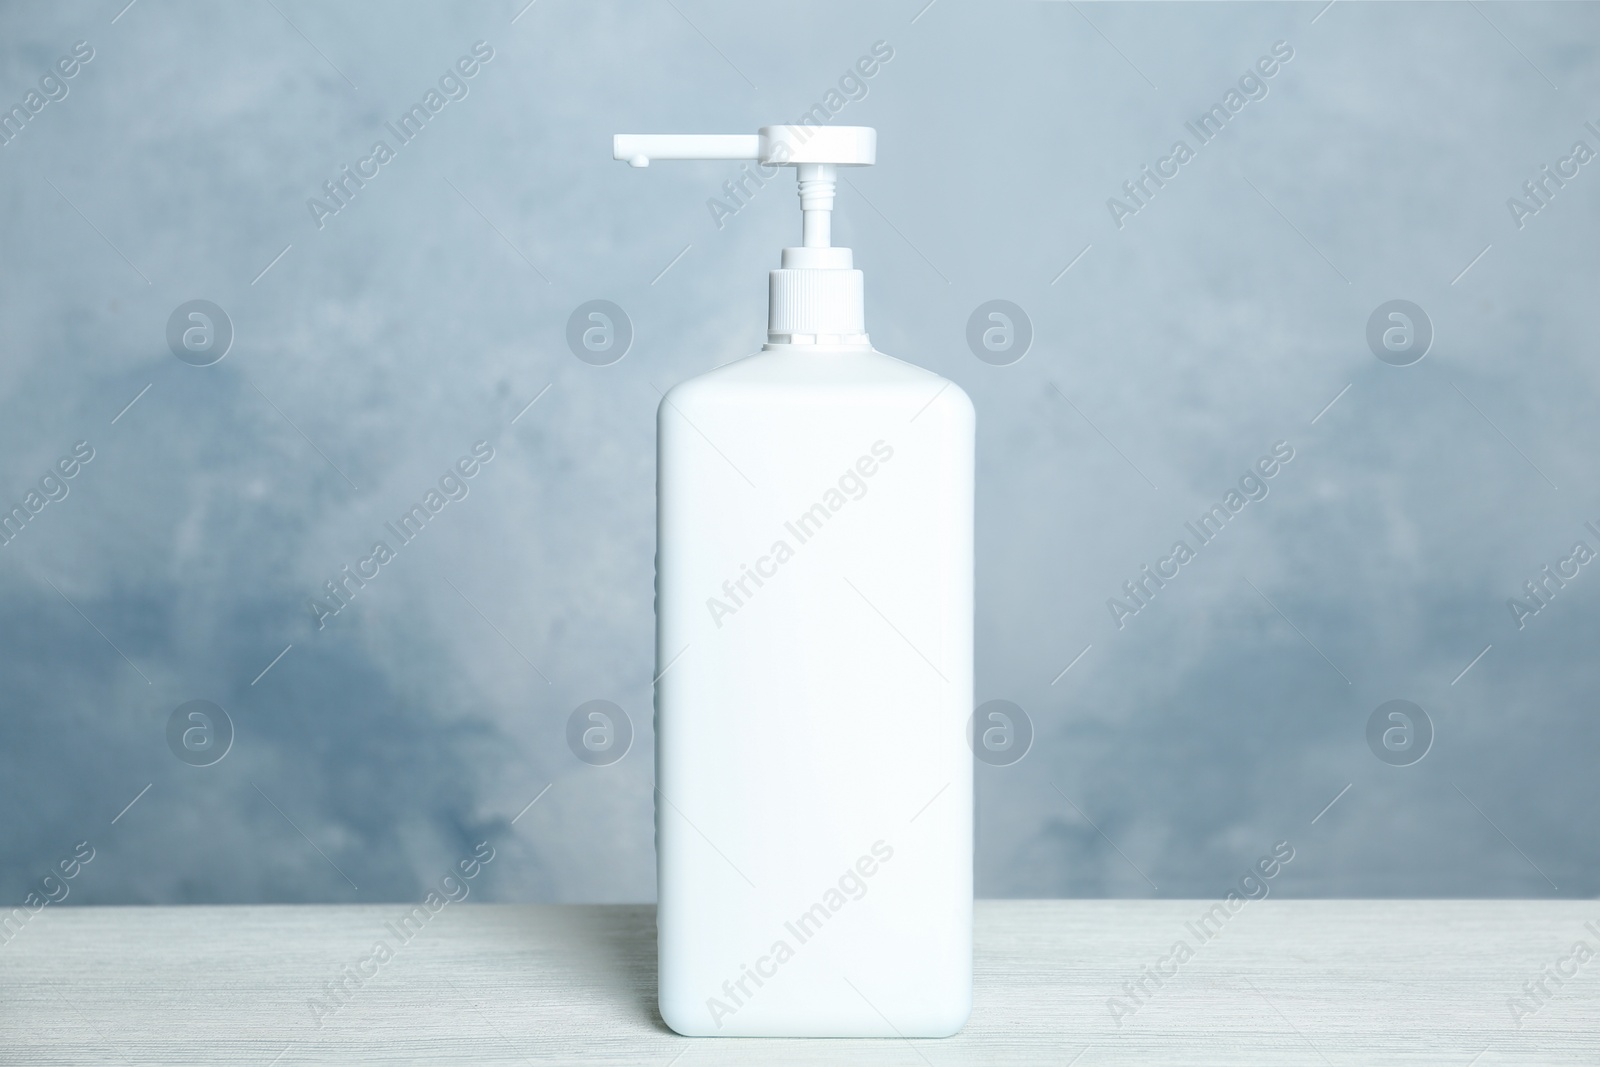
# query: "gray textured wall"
[1220,317]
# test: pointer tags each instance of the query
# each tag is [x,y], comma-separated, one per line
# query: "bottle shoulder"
[806,377]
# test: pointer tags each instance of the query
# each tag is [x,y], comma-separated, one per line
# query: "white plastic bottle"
[814,650]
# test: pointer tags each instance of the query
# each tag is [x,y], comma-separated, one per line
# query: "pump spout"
[815,297]
[815,152]
[638,149]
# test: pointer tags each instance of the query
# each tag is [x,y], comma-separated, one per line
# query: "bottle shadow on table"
[608,952]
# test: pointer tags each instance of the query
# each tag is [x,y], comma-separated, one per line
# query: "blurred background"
[354,341]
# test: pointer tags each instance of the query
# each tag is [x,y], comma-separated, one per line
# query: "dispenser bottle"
[814,656]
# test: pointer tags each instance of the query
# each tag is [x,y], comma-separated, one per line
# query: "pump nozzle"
[640,148]
[814,152]
[817,295]
[844,146]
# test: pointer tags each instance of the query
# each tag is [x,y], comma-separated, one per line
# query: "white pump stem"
[817,184]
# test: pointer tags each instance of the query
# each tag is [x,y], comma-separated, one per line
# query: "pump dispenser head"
[816,297]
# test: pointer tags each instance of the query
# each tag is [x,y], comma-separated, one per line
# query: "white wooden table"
[1285,982]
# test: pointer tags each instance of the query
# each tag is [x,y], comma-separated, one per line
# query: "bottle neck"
[817,298]
[818,350]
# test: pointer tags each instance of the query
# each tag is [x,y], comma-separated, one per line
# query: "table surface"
[1283,982]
